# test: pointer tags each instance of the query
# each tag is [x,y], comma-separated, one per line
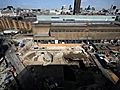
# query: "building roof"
[74,18]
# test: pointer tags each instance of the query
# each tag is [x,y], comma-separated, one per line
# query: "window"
[70,20]
[38,40]
[113,17]
[70,30]
[52,41]
[35,40]
[60,41]
[55,17]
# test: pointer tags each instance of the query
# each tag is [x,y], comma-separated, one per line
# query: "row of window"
[45,41]
[99,30]
[65,41]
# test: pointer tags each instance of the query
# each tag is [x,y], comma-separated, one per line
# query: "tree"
[117,10]
[114,7]
[62,8]
[39,10]
[10,7]
[70,8]
[88,8]
[93,8]
[104,10]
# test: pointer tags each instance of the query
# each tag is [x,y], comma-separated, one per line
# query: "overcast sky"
[51,4]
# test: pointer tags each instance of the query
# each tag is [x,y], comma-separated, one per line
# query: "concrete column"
[2,24]
[14,24]
[8,23]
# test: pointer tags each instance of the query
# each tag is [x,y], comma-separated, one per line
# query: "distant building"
[9,11]
[55,12]
[74,28]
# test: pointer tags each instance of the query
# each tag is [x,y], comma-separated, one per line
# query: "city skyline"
[56,4]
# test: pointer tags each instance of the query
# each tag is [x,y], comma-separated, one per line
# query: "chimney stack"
[77,4]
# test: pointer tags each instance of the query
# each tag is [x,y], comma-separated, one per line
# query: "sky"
[56,4]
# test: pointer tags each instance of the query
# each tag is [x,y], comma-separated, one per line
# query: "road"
[14,59]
